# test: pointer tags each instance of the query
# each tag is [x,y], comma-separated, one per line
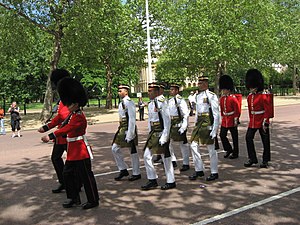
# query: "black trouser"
[265,137]
[235,139]
[78,172]
[57,161]
[141,113]
[15,124]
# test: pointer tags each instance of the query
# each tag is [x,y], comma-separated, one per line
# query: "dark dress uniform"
[259,114]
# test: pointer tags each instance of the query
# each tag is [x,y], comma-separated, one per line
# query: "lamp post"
[148,45]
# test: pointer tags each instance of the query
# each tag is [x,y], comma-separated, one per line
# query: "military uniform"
[60,143]
[259,114]
[230,112]
[206,126]
[158,142]
[179,124]
[126,136]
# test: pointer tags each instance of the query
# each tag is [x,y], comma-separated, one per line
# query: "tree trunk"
[48,100]
[220,70]
[108,104]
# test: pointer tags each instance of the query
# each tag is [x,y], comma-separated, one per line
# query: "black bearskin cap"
[71,91]
[58,74]
[254,79]
[226,82]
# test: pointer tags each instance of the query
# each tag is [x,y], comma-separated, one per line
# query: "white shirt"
[203,107]
[165,113]
[130,108]
[183,109]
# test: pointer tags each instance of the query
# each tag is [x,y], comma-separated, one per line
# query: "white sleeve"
[165,113]
[185,114]
[132,120]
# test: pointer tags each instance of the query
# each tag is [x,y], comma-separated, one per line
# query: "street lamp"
[148,45]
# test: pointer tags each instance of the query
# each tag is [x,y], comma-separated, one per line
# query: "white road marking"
[247,207]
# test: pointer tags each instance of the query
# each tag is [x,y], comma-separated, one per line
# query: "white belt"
[83,137]
[257,112]
[228,114]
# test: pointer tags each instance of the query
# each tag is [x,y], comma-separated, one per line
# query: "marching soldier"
[159,123]
[179,113]
[230,112]
[259,114]
[126,136]
[60,143]
[77,168]
[206,127]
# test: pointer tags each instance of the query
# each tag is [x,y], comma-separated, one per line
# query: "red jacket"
[76,127]
[62,114]
[259,110]
[230,110]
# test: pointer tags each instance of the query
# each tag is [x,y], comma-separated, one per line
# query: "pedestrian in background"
[15,118]
[141,105]
[2,125]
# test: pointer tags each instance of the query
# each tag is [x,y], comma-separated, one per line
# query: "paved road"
[240,196]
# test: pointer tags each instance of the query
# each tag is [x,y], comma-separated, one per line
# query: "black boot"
[168,186]
[212,176]
[58,189]
[196,174]
[151,184]
[135,177]
[227,154]
[264,165]
[89,205]
[123,173]
[70,202]
[249,163]
[184,168]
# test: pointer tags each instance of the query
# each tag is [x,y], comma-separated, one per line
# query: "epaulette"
[179,96]
[79,112]
[161,98]
[211,92]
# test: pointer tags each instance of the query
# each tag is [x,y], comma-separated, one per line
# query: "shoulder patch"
[161,98]
[179,97]
[211,92]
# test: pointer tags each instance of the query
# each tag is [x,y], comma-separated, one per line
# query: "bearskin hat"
[254,79]
[226,82]
[71,91]
[57,75]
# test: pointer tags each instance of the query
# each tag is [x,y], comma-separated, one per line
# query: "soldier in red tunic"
[230,112]
[60,143]
[77,168]
[259,114]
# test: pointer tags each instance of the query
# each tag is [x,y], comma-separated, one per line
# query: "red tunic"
[230,110]
[76,127]
[259,110]
[62,114]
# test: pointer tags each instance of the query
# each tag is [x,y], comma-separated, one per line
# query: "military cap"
[254,79]
[162,85]
[58,74]
[71,91]
[153,85]
[123,86]
[175,85]
[226,82]
[203,78]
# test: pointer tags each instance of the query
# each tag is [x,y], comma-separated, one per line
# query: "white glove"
[181,131]
[127,140]
[162,142]
[213,134]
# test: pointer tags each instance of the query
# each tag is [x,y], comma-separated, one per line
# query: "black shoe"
[135,177]
[212,176]
[168,186]
[70,202]
[184,168]
[264,165]
[196,174]
[233,157]
[158,159]
[89,205]
[58,189]
[151,184]
[227,154]
[249,163]
[123,173]
[174,164]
